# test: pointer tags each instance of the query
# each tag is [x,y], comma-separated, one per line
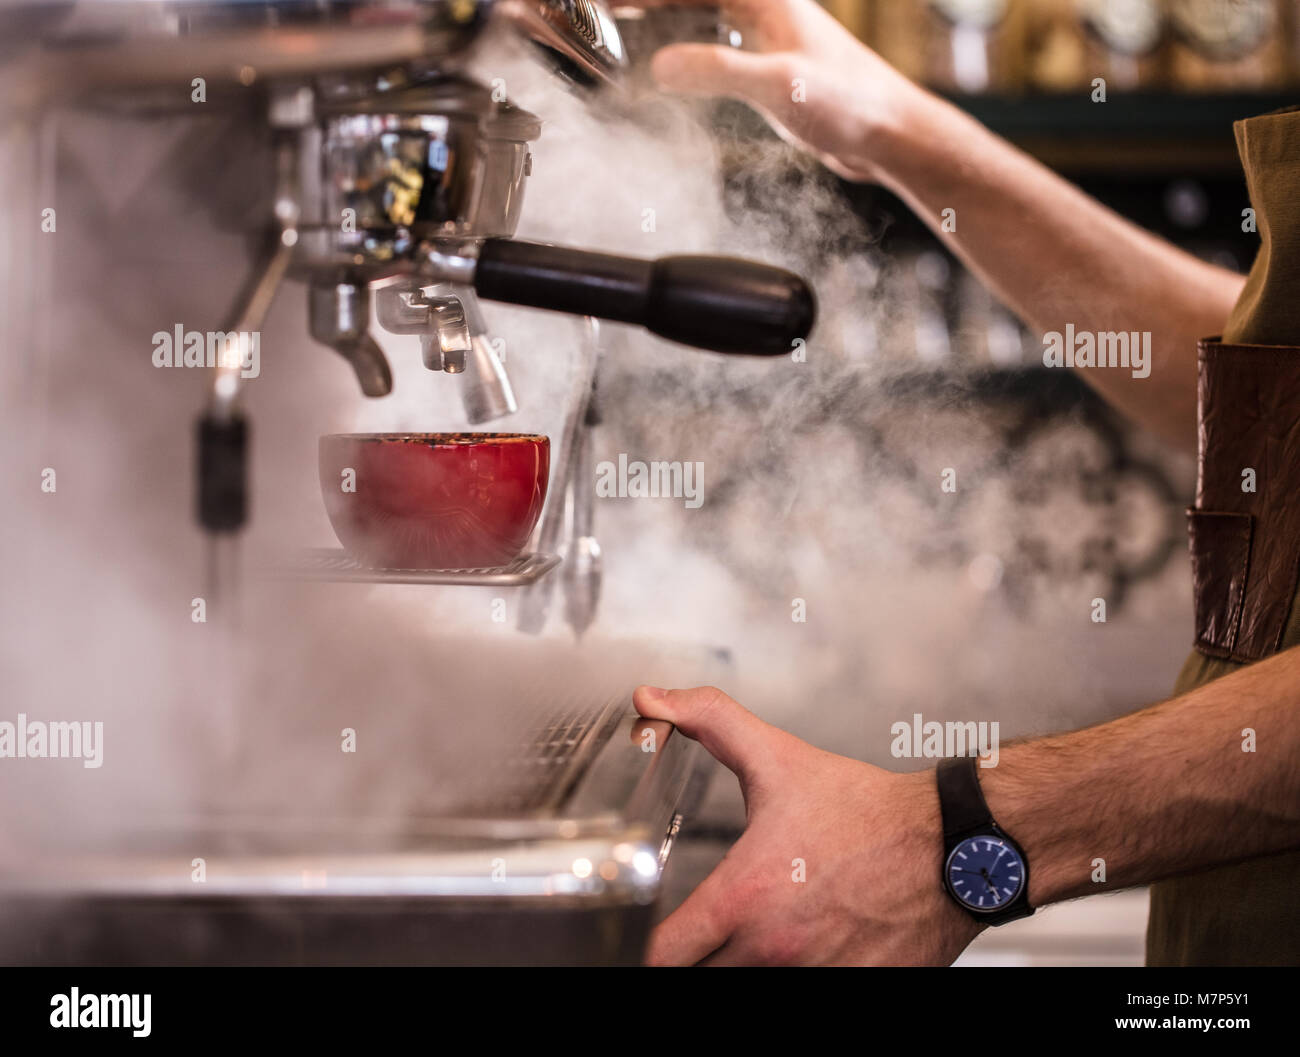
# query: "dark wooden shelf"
[1137,115]
[1153,132]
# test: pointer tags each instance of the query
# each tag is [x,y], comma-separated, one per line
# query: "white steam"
[801,500]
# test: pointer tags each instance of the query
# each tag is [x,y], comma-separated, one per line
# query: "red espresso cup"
[434,500]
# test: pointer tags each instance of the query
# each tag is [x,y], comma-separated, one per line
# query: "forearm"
[1160,792]
[1053,255]
[1056,257]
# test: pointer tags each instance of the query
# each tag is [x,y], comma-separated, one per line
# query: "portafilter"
[414,195]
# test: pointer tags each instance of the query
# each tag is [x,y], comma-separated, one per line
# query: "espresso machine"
[395,190]
[398,185]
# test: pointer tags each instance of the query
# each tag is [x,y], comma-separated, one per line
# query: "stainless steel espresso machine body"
[398,185]
[553,858]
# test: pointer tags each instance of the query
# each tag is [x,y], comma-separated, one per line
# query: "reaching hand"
[812,79]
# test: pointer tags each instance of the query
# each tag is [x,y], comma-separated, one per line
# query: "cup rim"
[440,440]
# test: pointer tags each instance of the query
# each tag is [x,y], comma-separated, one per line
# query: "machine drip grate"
[538,771]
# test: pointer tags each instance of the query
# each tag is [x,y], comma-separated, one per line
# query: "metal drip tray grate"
[331,563]
[539,770]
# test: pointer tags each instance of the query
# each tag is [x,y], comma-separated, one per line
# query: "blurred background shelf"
[1173,71]
[1149,133]
[1162,115]
[1045,46]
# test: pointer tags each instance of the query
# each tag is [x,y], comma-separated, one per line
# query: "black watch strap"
[961,801]
[965,812]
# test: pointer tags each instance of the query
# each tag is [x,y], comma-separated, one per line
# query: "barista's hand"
[810,77]
[866,842]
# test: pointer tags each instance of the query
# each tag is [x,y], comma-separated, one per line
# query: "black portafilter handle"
[719,303]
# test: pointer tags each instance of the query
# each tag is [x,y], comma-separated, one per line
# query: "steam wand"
[222,428]
[574,460]
[583,568]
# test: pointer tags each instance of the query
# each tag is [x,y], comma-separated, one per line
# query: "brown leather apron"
[1245,545]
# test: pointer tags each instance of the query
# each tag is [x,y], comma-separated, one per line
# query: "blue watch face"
[985,873]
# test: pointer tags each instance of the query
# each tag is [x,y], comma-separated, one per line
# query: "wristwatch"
[984,870]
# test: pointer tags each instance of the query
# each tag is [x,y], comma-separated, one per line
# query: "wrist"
[899,129]
[922,146]
[926,836]
[1033,819]
[877,125]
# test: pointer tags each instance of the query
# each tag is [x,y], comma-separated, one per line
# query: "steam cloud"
[153,224]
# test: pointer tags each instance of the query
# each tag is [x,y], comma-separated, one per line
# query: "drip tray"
[334,563]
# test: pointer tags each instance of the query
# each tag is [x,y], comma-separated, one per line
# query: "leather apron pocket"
[1220,546]
[1245,527]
